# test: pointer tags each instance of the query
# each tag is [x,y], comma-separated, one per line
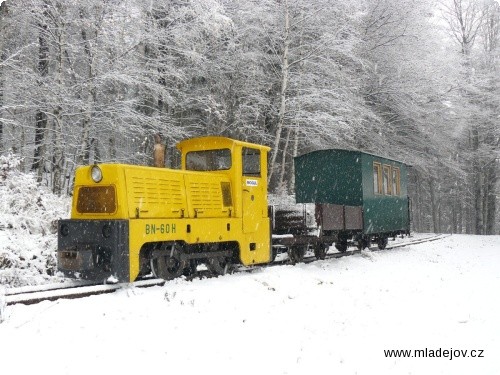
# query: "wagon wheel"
[341,246]
[296,254]
[382,242]
[167,263]
[218,265]
[363,243]
[320,251]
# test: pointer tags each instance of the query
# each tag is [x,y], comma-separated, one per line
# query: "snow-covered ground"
[328,317]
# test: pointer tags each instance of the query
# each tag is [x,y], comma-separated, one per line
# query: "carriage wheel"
[320,251]
[363,243]
[341,246]
[296,254]
[382,242]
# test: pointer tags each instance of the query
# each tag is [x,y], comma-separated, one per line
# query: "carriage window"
[396,181]
[251,162]
[209,160]
[377,178]
[386,180]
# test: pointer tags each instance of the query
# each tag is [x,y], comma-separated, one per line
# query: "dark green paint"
[329,176]
[346,178]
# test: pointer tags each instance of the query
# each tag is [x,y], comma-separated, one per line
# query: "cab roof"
[216,142]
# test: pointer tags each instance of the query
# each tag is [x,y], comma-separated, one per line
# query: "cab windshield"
[208,160]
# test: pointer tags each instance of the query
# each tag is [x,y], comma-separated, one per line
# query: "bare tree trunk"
[83,156]
[112,148]
[282,189]
[58,149]
[283,92]
[3,12]
[58,159]
[434,205]
[2,58]
[460,212]
[294,154]
[41,115]
[491,200]
[417,207]
[458,204]
[477,182]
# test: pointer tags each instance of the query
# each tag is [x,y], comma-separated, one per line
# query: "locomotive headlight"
[96,173]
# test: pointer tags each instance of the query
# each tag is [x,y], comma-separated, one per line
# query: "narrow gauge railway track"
[312,258]
[79,289]
[54,292]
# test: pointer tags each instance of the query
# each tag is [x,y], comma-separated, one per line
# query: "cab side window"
[251,162]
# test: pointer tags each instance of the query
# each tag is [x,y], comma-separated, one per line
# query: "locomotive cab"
[128,220]
[245,166]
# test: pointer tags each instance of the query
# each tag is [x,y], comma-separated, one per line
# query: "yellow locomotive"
[129,220]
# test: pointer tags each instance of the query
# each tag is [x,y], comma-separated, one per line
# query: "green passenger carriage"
[359,197]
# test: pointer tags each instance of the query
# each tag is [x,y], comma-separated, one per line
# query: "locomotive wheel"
[218,265]
[382,242]
[190,269]
[167,264]
[296,254]
[320,251]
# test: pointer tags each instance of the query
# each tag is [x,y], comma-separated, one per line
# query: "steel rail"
[79,288]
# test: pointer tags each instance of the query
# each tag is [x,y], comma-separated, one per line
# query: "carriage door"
[253,191]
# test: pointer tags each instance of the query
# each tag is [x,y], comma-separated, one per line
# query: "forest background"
[418,81]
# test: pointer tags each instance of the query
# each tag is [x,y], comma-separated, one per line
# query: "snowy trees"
[2,58]
[490,36]
[429,95]
[83,82]
[4,33]
[410,80]
[30,210]
[475,27]
[107,75]
[305,52]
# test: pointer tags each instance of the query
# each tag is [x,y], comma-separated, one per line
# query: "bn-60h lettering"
[159,228]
